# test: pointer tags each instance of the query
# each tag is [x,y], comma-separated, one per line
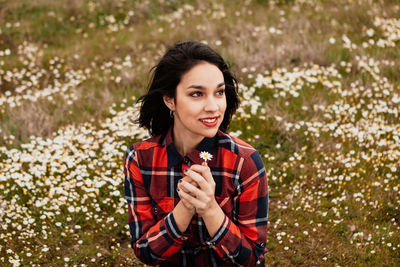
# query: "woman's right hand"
[190,208]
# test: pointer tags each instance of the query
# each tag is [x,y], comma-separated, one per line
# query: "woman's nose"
[211,104]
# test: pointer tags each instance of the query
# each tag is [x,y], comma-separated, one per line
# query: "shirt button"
[186,161]
[210,243]
[262,244]
[155,210]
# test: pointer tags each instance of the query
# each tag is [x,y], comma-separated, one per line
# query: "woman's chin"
[210,132]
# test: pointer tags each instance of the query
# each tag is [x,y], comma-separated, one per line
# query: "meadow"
[320,101]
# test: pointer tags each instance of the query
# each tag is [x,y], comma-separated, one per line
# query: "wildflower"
[206,156]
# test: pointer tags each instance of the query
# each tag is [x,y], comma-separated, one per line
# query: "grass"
[334,193]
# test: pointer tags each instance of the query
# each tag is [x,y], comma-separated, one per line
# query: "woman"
[196,196]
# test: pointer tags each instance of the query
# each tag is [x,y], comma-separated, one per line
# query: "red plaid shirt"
[152,169]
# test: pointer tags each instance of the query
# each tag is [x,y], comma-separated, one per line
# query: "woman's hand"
[197,189]
[189,207]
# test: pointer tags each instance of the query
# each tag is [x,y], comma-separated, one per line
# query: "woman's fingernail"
[180,181]
[177,189]
[185,171]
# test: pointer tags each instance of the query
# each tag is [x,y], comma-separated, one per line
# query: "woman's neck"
[185,143]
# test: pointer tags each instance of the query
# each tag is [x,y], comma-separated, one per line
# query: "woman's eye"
[221,92]
[195,94]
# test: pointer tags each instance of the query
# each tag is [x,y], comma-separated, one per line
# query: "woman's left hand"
[201,197]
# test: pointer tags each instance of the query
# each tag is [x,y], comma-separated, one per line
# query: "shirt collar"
[207,145]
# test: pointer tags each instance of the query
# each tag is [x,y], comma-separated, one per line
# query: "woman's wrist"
[212,210]
[183,216]
[213,218]
[191,211]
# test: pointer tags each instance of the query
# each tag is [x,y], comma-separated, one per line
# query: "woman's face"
[200,102]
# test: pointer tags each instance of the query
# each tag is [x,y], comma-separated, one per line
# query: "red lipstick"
[210,121]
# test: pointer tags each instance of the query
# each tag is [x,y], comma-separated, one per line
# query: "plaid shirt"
[152,169]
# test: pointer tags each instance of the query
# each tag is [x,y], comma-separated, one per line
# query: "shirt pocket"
[163,207]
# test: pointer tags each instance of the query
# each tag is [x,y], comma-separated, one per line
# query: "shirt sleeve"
[152,241]
[242,240]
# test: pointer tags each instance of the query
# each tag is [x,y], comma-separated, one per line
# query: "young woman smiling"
[183,210]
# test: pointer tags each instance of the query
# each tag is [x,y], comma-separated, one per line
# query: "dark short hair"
[166,75]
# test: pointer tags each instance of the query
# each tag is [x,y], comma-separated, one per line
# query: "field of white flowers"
[328,129]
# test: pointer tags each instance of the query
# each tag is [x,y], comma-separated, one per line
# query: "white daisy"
[206,156]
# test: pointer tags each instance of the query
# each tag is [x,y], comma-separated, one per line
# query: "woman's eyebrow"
[202,87]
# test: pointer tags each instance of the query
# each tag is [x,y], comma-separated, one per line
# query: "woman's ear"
[169,102]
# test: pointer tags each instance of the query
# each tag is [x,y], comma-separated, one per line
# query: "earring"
[171,113]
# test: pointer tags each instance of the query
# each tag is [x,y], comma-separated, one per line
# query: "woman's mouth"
[210,121]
